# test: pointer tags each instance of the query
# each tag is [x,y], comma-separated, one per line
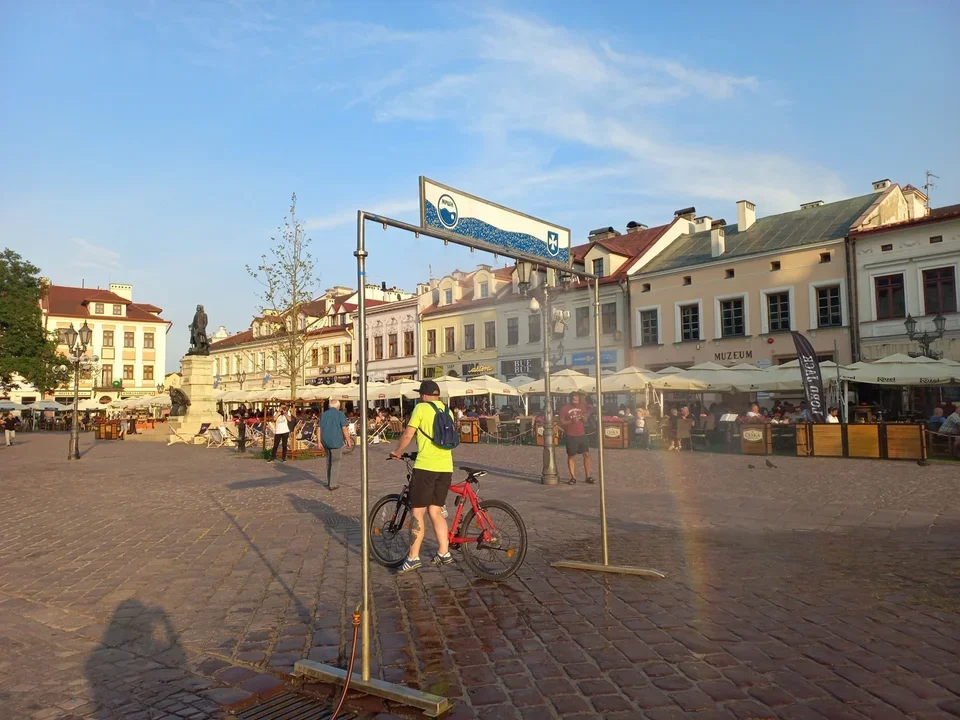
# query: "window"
[484,290]
[449,340]
[118,309]
[378,347]
[825,257]
[939,291]
[690,322]
[128,372]
[62,336]
[778,312]
[731,318]
[106,376]
[608,318]
[326,354]
[237,364]
[890,301]
[687,280]
[448,297]
[261,361]
[533,328]
[98,308]
[582,320]
[649,328]
[407,343]
[469,337]
[337,354]
[886,248]
[490,334]
[645,287]
[936,239]
[774,265]
[392,345]
[431,342]
[128,339]
[729,274]
[148,372]
[314,357]
[829,313]
[598,267]
[348,353]
[513,331]
[148,341]
[108,338]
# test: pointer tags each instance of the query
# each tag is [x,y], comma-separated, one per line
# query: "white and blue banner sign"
[490,226]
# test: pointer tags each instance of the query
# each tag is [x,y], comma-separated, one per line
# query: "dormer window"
[118,309]
[598,267]
[98,309]
[448,297]
[484,290]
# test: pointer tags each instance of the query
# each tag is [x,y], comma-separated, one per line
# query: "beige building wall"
[800,274]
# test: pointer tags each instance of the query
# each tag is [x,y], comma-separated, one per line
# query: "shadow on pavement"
[345,530]
[532,477]
[288,473]
[139,640]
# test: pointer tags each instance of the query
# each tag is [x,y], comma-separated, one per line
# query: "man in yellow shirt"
[432,475]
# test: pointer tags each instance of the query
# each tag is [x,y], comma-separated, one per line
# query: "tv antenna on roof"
[929,185]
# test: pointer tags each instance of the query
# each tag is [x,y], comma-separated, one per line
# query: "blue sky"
[158,143]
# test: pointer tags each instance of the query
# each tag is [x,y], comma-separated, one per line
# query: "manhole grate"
[290,706]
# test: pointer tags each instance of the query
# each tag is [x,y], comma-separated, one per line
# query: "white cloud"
[89,255]
[348,216]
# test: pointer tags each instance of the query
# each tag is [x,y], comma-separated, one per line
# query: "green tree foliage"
[26,349]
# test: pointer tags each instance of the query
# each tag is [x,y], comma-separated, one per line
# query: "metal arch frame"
[398,692]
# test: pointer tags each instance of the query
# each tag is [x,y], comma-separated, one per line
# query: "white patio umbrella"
[90,404]
[7,405]
[375,391]
[160,401]
[628,380]
[786,377]
[900,369]
[48,405]
[520,380]
[563,381]
[493,386]
[710,377]
[450,387]
[669,370]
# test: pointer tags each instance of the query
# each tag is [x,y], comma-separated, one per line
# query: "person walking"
[281,434]
[433,426]
[573,418]
[10,429]
[334,435]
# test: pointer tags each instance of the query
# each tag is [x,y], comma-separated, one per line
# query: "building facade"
[732,293]
[129,338]
[908,269]
[393,341]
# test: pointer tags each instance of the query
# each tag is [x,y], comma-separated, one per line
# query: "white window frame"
[480,287]
[718,319]
[638,335]
[464,330]
[677,325]
[844,319]
[765,308]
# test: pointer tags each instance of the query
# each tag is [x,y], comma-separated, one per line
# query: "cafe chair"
[684,436]
[940,445]
[492,429]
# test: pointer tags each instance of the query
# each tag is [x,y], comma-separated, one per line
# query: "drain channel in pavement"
[290,706]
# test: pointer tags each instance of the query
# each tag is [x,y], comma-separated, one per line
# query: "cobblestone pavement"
[147,581]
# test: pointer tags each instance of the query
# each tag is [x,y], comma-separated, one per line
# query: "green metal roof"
[831,221]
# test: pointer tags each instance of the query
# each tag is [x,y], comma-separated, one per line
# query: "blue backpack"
[445,435]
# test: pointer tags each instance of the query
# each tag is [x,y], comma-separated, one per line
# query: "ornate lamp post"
[241,376]
[925,340]
[77,343]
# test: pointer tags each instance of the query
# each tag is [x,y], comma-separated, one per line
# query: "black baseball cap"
[428,387]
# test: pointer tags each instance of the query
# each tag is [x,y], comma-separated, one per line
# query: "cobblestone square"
[153,582]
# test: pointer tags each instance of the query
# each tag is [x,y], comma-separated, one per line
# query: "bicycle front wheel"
[389,531]
[498,553]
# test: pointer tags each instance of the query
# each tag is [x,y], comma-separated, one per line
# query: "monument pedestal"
[197,385]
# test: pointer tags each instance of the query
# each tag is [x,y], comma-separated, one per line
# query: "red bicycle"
[490,534]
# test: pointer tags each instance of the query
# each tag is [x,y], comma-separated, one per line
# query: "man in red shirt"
[572,419]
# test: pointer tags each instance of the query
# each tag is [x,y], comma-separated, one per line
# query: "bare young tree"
[288,279]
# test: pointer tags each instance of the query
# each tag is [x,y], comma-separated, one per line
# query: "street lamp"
[549,475]
[925,340]
[77,343]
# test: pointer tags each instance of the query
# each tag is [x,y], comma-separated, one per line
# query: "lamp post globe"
[911,326]
[86,335]
[940,323]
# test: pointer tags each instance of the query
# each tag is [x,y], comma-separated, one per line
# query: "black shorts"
[577,445]
[429,488]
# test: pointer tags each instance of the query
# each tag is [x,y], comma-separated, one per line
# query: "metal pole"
[603,490]
[361,255]
[74,452]
[549,475]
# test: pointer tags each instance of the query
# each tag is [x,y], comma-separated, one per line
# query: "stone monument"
[196,369]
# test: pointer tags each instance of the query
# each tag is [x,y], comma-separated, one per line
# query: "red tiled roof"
[350,307]
[940,214]
[67,301]
[247,336]
[238,339]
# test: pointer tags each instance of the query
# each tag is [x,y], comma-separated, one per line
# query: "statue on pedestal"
[199,343]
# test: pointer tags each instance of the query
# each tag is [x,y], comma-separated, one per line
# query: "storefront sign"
[433,371]
[477,369]
[734,355]
[531,367]
[753,435]
[607,357]
[401,376]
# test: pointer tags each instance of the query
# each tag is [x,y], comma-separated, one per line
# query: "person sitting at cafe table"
[951,426]
[832,415]
[754,414]
[937,419]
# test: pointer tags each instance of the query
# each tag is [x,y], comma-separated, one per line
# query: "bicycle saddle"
[473,472]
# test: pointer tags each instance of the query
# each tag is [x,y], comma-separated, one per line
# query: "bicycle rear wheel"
[501,554]
[389,531]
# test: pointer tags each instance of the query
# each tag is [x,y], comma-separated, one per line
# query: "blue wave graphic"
[521,242]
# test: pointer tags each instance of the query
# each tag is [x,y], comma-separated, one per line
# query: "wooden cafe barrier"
[539,430]
[756,439]
[616,434]
[469,430]
[893,441]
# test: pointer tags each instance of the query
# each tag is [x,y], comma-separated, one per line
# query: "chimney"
[881,185]
[633,226]
[807,206]
[717,244]
[602,234]
[686,213]
[746,215]
[703,223]
[124,291]
[383,286]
